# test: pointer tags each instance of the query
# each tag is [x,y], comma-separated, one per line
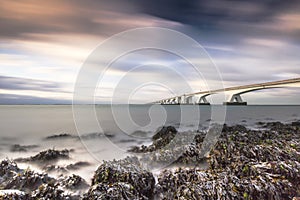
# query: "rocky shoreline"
[242,164]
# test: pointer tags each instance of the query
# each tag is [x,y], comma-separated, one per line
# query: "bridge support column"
[178,100]
[203,101]
[174,101]
[236,99]
[188,100]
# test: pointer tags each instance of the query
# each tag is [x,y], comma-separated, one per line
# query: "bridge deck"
[266,84]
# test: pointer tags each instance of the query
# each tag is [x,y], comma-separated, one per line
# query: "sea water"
[125,126]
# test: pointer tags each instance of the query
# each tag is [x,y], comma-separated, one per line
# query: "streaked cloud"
[44,44]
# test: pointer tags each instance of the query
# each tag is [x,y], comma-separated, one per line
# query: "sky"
[44,45]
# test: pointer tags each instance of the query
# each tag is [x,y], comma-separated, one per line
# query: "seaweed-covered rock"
[114,191]
[239,128]
[28,181]
[47,156]
[27,184]
[128,170]
[8,168]
[65,169]
[53,191]
[91,136]
[73,182]
[243,164]
[22,148]
[165,133]
[224,184]
[60,136]
[77,165]
[274,125]
[55,168]
[160,139]
[13,194]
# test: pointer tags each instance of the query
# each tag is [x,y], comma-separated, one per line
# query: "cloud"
[15,83]
[102,18]
[11,99]
[46,43]
[209,13]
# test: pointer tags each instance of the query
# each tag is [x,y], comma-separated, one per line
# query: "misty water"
[125,126]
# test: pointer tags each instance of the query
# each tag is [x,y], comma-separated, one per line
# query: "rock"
[28,181]
[238,128]
[91,136]
[223,184]
[13,194]
[163,137]
[22,148]
[138,133]
[27,184]
[77,165]
[60,136]
[8,168]
[127,141]
[73,182]
[47,156]
[53,191]
[65,169]
[296,123]
[55,168]
[274,125]
[243,164]
[115,191]
[165,133]
[129,171]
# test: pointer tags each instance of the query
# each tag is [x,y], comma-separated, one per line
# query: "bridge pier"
[203,100]
[189,100]
[178,99]
[185,100]
[236,99]
[175,101]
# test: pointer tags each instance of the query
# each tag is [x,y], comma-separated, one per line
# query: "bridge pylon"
[203,100]
[236,99]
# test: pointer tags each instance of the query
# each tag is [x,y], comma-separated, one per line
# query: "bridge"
[234,93]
